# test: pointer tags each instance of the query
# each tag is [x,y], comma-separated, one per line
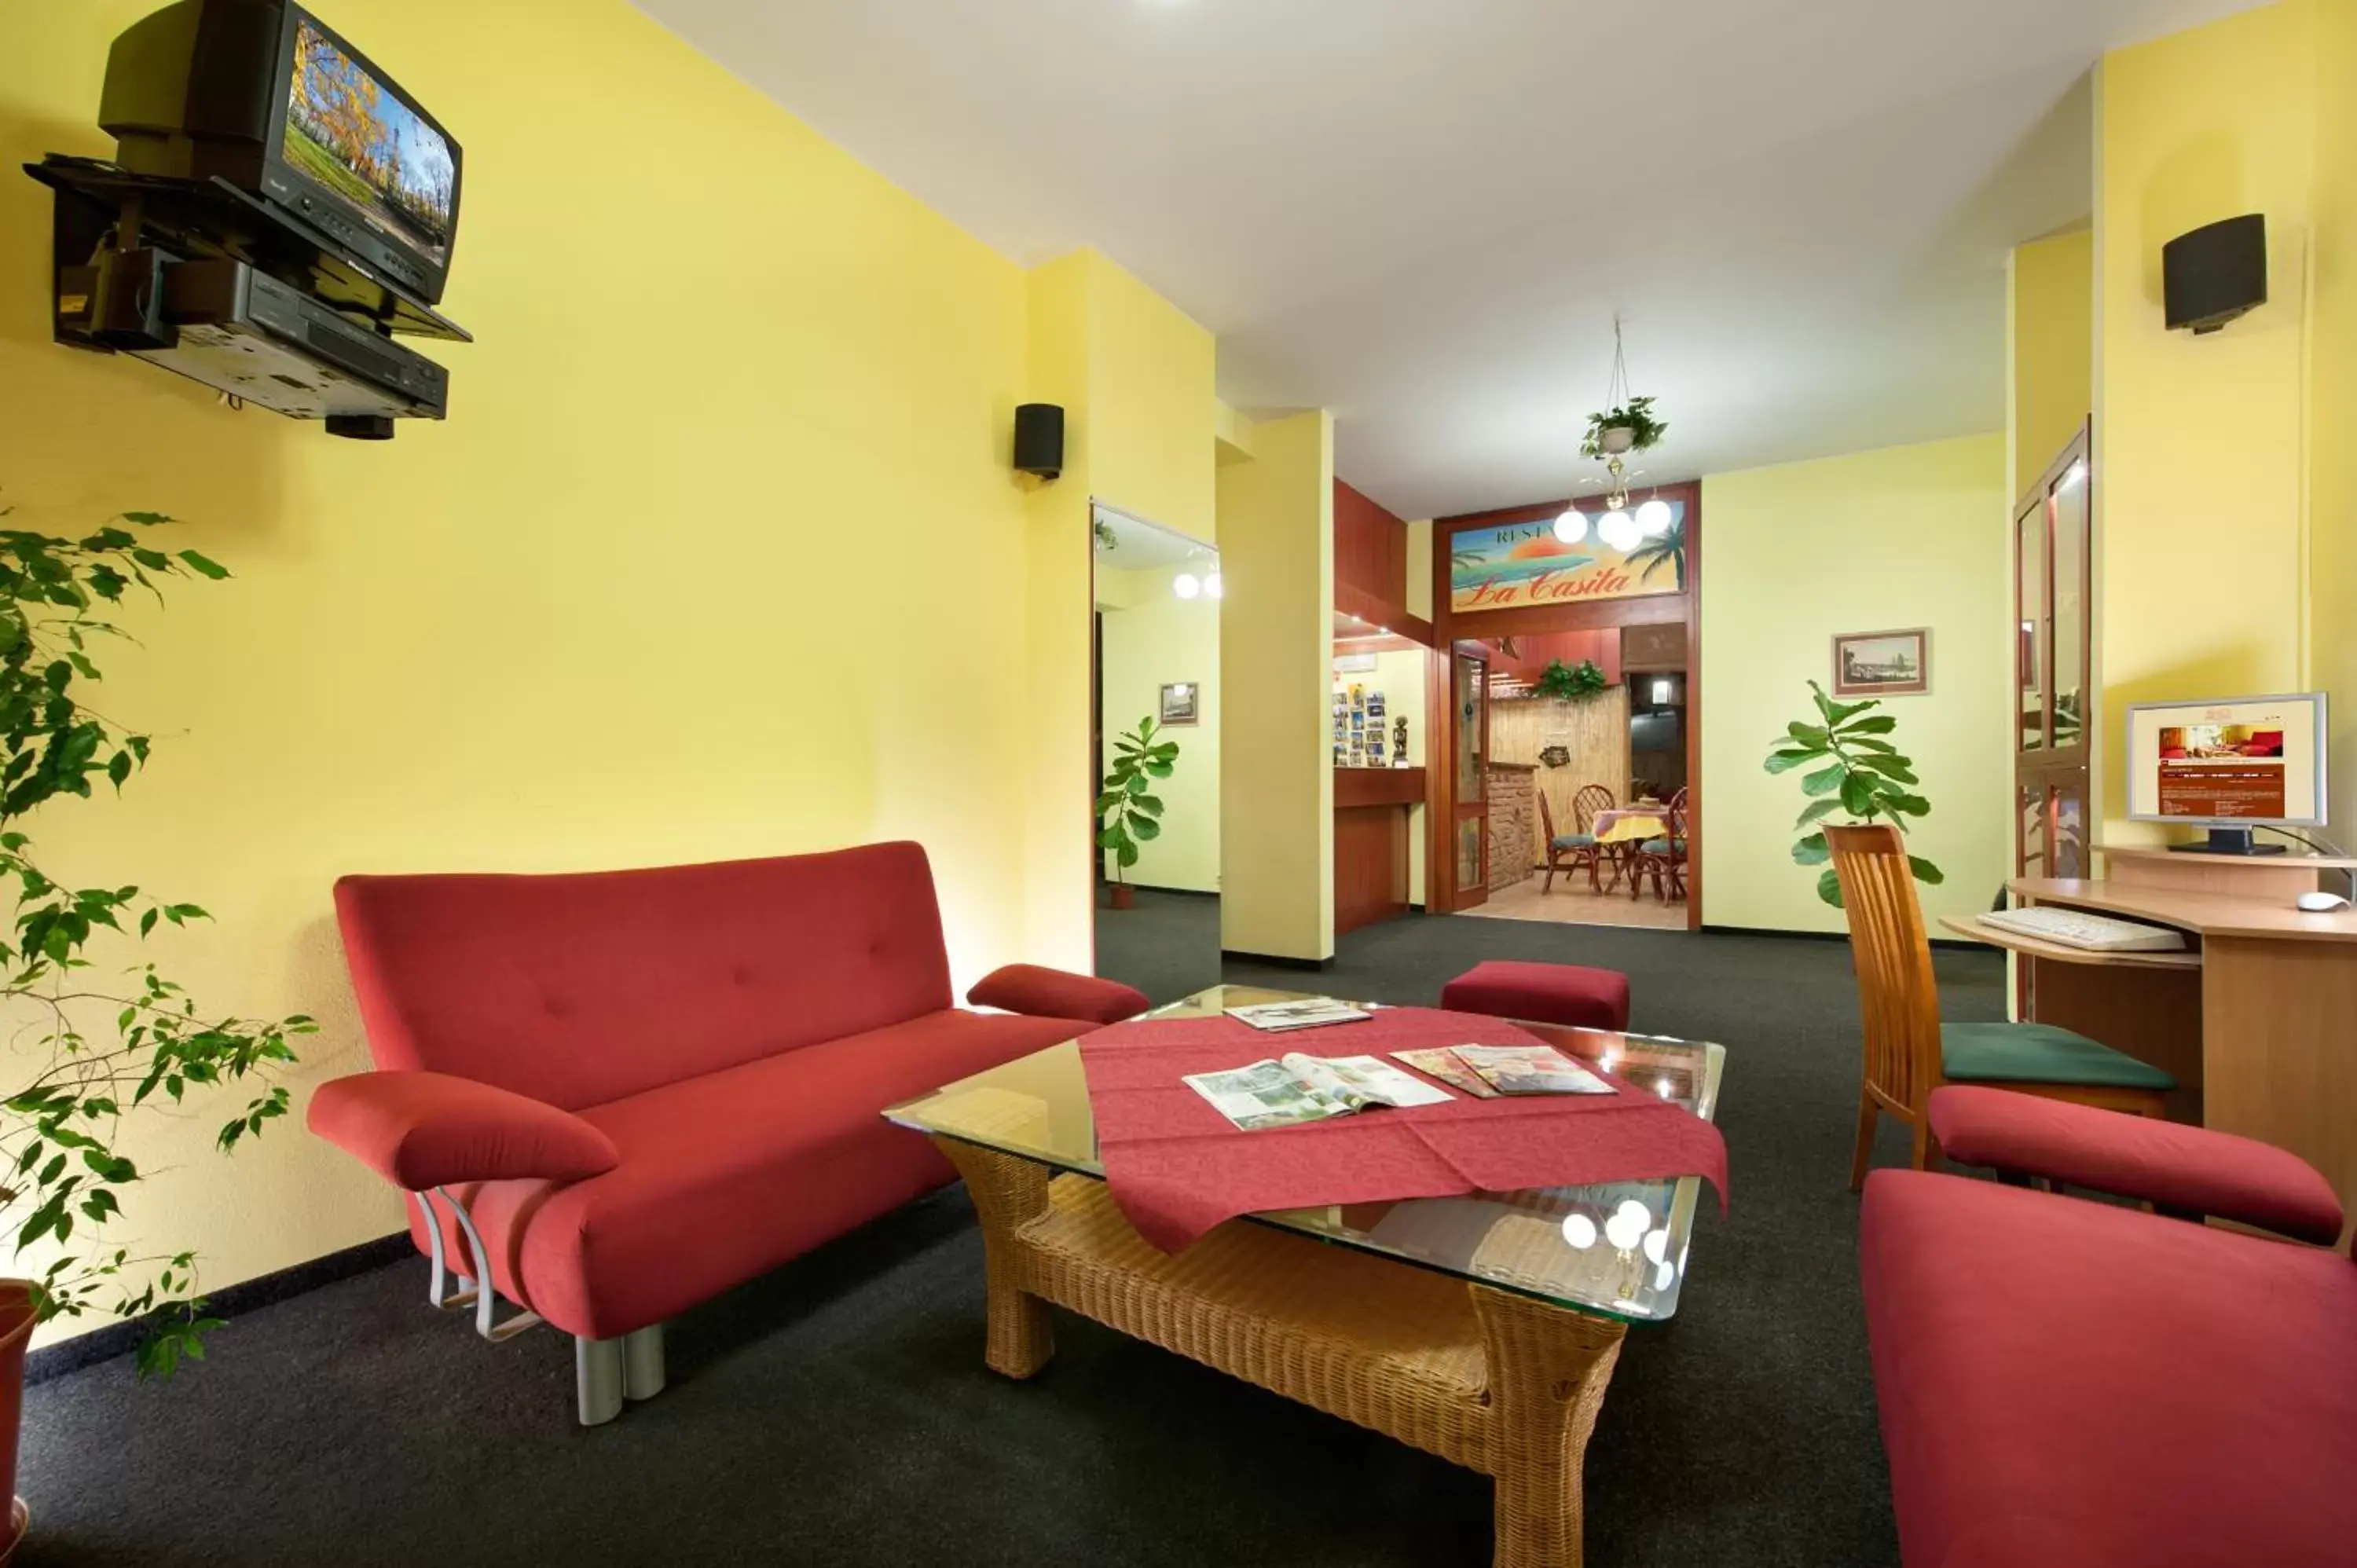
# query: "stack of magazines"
[1295,1087]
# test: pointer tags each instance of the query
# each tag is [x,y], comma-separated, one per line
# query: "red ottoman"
[1545,992]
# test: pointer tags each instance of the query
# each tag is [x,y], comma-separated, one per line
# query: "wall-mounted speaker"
[1039,439]
[2216,272]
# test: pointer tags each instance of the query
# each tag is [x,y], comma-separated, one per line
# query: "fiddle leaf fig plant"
[88,1047]
[1855,771]
[1131,813]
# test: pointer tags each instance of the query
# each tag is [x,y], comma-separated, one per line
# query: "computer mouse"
[2323,903]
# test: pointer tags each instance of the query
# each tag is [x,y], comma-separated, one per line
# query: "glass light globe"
[1624,1231]
[1619,529]
[1635,1210]
[1186,585]
[1657,1245]
[1214,586]
[1580,1231]
[1654,518]
[1663,1276]
[1572,526]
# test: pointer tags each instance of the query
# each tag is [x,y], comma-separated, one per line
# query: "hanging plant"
[1570,682]
[1629,427]
[1106,538]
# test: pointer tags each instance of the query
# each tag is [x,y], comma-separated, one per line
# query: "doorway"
[1153,822]
[1583,736]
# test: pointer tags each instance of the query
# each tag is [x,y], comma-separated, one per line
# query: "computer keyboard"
[2077,929]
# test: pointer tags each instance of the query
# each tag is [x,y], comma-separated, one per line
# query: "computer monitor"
[2229,766]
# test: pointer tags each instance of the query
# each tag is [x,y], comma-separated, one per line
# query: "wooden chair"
[1910,1053]
[1569,851]
[1663,859]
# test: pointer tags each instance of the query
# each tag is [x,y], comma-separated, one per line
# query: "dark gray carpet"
[838,1412]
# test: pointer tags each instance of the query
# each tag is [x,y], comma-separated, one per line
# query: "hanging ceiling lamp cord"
[1617,393]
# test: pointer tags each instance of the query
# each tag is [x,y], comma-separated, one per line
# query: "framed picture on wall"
[1882,664]
[1180,701]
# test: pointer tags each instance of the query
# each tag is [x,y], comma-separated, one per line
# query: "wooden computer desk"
[2257,1020]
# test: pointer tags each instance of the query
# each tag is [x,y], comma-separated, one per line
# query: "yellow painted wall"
[1155,639]
[2201,444]
[1101,346]
[2051,303]
[1276,783]
[2332,413]
[635,603]
[1903,537]
[1151,410]
[1419,568]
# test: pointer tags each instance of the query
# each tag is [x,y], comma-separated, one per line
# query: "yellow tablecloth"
[1634,827]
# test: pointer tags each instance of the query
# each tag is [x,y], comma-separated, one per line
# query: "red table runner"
[1177,1167]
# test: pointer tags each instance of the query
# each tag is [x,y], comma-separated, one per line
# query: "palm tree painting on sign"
[1668,550]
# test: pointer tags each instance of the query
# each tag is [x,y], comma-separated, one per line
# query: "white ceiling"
[1423,213]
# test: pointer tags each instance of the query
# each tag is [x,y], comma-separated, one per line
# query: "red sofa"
[633,1090]
[2071,1384]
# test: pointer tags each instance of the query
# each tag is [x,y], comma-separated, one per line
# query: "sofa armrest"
[2188,1170]
[1056,994]
[425,1130]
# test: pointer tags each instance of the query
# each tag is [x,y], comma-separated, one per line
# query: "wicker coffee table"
[1483,1329]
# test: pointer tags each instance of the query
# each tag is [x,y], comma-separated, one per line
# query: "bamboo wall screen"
[1595,732]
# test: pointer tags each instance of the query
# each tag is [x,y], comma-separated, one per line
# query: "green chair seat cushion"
[1660,846]
[1574,841]
[2039,1053]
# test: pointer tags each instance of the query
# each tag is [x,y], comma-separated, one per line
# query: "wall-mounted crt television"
[264,95]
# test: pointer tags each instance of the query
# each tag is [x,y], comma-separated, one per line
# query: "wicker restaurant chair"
[1910,1053]
[1568,852]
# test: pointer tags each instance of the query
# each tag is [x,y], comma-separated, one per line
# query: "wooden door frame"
[1449,627]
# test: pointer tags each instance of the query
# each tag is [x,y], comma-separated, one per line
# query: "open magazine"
[1529,1069]
[1299,1088]
[1311,1013]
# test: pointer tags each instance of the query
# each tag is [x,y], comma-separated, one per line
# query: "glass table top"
[1617,1250]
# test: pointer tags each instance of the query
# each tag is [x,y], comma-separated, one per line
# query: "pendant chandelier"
[1626,425]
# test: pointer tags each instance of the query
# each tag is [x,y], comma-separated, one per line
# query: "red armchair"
[2064,1382]
[611,1096]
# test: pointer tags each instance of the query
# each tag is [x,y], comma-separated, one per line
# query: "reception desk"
[2257,1019]
[1372,806]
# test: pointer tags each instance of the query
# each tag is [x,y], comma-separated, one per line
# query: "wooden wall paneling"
[1657,645]
[1369,546]
[1595,732]
[1370,865]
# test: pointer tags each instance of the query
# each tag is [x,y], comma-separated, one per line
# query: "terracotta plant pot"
[1124,896]
[16,1330]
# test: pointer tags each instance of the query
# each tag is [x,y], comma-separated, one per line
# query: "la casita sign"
[1524,564]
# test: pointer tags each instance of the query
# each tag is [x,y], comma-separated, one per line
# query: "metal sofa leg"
[607,1371]
[598,1379]
[643,1363]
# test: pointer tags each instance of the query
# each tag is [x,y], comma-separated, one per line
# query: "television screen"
[2258,759]
[360,141]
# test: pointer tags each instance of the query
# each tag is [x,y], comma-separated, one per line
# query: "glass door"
[2053,565]
[1470,692]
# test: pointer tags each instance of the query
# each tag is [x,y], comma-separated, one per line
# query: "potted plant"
[1630,427]
[1570,682]
[1863,775]
[1130,813]
[91,1050]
